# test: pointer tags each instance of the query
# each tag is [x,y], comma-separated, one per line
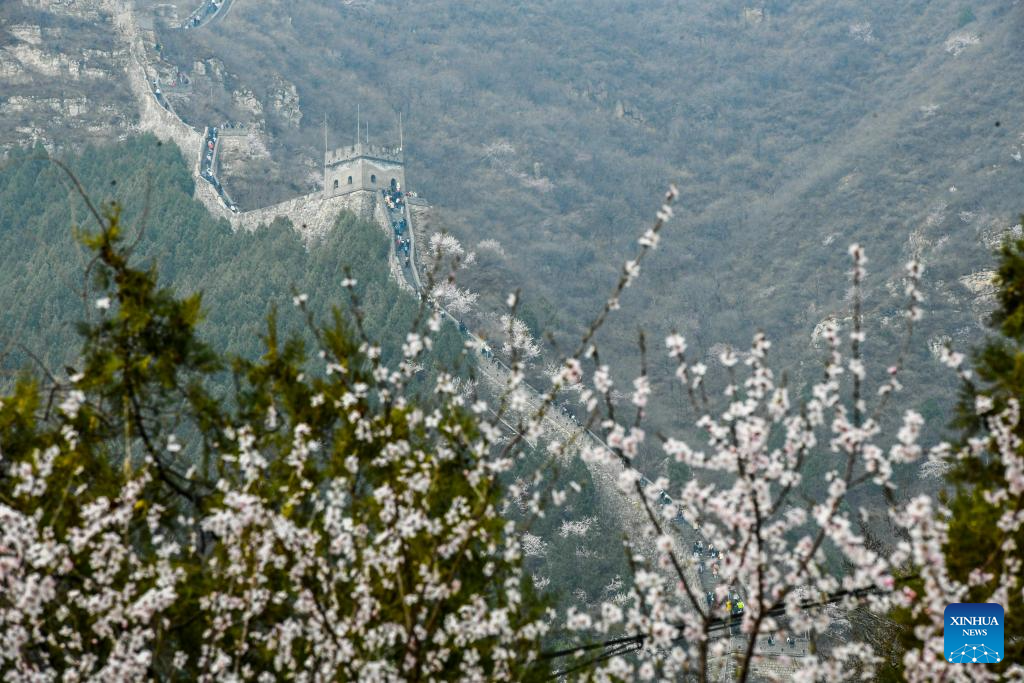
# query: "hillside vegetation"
[792,129]
[242,276]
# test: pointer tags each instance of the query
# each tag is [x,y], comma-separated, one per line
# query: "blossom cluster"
[326,523]
[743,554]
[331,523]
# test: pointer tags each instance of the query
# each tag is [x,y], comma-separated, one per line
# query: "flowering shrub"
[774,536]
[321,521]
[969,549]
[316,524]
[788,555]
[445,253]
[517,342]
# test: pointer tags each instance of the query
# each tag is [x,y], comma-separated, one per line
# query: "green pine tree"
[152,529]
[976,541]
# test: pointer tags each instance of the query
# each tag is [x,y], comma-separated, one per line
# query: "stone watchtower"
[363,166]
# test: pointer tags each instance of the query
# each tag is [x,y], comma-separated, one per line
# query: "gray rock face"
[246,100]
[284,100]
[61,74]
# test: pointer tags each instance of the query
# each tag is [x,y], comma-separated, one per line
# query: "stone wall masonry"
[208,197]
[238,148]
[380,217]
[312,216]
[153,118]
[421,224]
[236,131]
[215,164]
[164,124]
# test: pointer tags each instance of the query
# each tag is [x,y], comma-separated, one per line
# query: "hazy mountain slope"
[791,128]
[751,113]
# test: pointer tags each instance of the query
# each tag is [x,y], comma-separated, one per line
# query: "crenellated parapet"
[376,152]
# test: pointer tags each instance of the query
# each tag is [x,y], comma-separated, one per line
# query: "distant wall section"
[312,216]
[153,117]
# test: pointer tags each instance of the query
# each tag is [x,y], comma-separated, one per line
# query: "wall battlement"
[363,167]
[360,149]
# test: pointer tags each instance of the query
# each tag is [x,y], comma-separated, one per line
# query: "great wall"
[312,217]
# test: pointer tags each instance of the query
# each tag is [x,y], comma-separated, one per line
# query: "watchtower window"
[373,179]
[350,180]
[335,183]
[394,184]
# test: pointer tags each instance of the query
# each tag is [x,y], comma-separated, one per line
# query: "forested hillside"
[241,276]
[792,130]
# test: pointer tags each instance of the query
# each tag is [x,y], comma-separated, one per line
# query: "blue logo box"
[973,633]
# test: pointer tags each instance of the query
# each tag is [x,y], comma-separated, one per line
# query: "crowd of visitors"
[394,200]
[209,147]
